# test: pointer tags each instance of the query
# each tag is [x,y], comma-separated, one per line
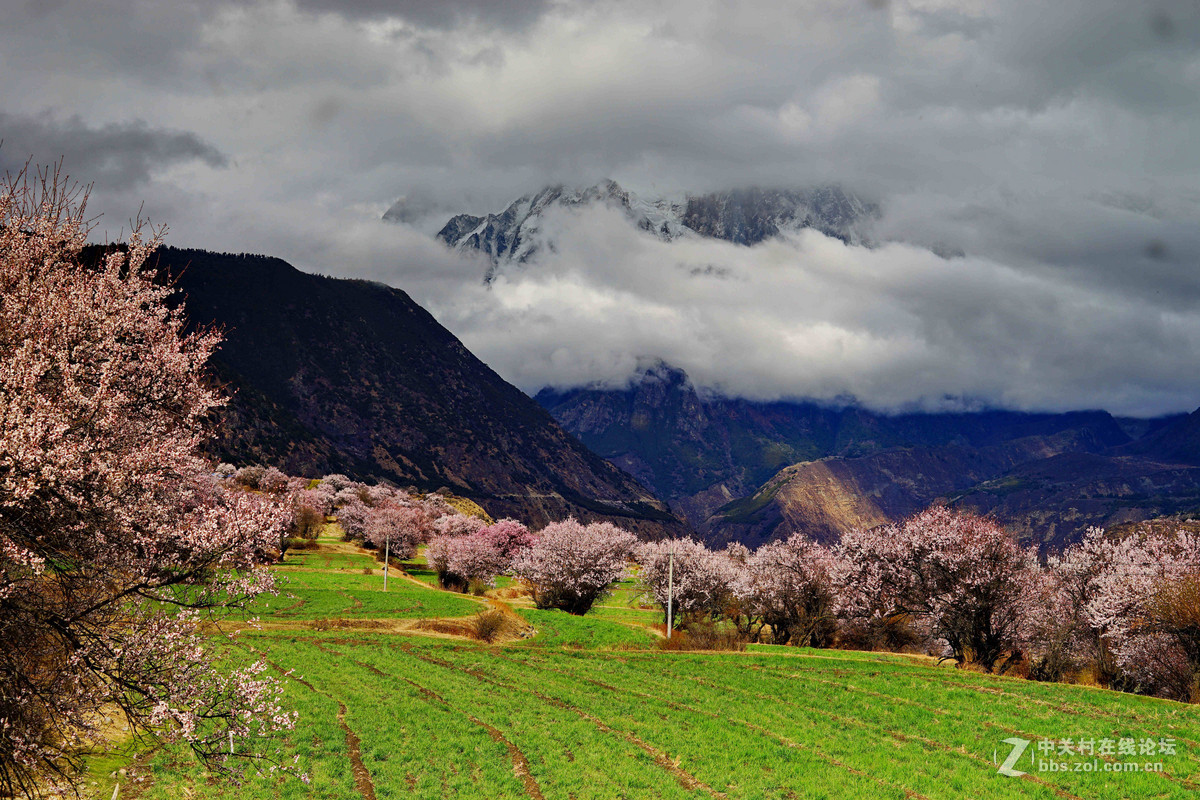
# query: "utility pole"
[387,546]
[670,592]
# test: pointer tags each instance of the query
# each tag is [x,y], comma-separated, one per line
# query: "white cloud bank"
[1056,144]
[809,316]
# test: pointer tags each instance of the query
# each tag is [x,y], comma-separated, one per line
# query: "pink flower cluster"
[471,551]
[108,512]
[571,564]
[960,586]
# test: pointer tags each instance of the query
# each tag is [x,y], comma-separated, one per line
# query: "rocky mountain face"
[1046,489]
[1176,443]
[744,217]
[516,235]
[1052,501]
[750,216]
[350,376]
[750,471]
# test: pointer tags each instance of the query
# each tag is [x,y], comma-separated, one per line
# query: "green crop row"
[591,708]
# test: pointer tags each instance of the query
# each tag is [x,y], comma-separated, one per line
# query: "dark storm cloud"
[1050,146]
[514,14]
[114,156]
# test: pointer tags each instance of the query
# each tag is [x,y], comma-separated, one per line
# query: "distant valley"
[754,471]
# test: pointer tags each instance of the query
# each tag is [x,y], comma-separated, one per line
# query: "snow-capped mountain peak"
[743,217]
[514,235]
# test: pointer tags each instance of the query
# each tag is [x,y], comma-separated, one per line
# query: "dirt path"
[356,602]
[362,778]
[520,762]
[384,625]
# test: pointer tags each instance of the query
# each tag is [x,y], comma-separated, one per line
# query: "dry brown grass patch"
[510,593]
[341,624]
[451,627]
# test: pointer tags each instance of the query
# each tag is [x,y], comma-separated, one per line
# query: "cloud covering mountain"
[1053,145]
[806,315]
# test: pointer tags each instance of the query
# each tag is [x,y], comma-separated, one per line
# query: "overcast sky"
[1054,143]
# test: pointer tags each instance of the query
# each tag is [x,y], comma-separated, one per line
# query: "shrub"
[705,635]
[488,625]
[894,632]
[307,521]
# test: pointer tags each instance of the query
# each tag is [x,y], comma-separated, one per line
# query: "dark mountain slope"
[1177,443]
[704,453]
[342,375]
[1052,501]
[828,497]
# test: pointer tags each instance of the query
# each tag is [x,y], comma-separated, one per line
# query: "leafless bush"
[704,636]
[306,522]
[488,625]
[302,544]
[453,627]
[894,633]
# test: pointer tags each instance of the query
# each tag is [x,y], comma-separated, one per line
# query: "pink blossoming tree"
[1138,598]
[960,575]
[399,528]
[476,552]
[508,536]
[699,579]
[572,564]
[110,521]
[454,525]
[790,586]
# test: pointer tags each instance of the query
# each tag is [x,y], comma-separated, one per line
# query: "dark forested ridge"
[353,376]
[332,375]
[754,471]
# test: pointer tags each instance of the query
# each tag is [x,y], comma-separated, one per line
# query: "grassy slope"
[588,709]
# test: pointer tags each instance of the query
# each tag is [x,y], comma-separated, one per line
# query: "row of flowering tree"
[1126,608]
[567,565]
[955,584]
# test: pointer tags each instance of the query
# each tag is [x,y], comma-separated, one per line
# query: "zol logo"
[1018,748]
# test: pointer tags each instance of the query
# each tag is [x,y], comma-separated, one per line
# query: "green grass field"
[590,708]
